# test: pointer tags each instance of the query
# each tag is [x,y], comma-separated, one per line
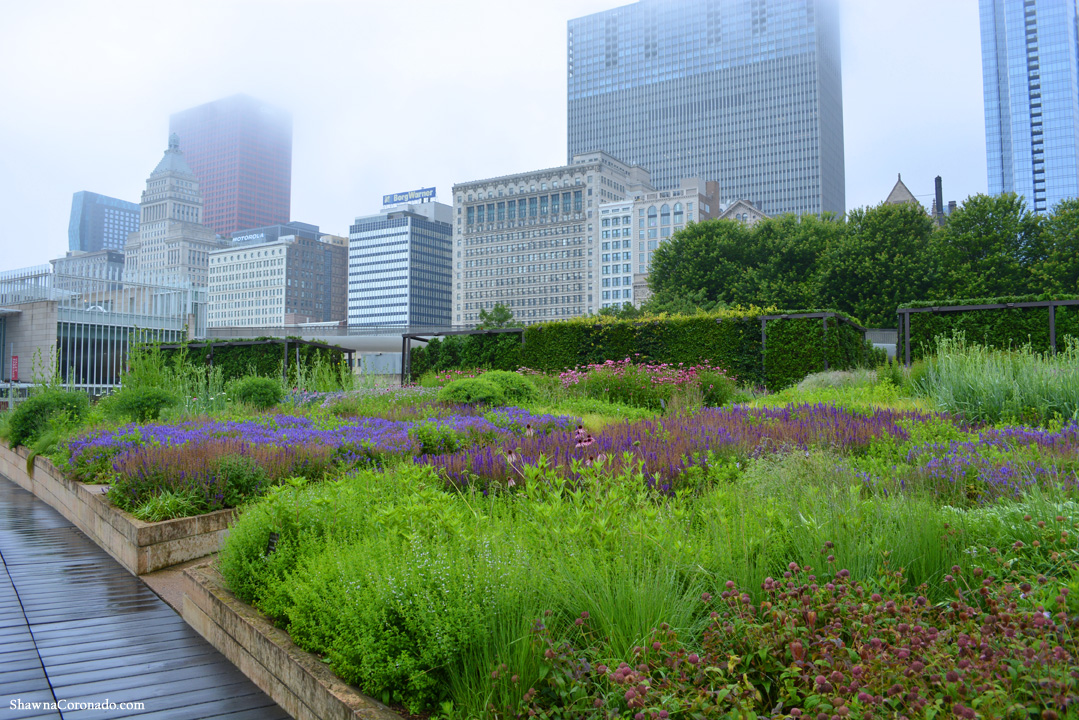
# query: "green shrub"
[259,392]
[716,388]
[53,407]
[516,388]
[435,439]
[140,404]
[169,505]
[243,479]
[472,391]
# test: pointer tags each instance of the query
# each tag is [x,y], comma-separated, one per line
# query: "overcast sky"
[388,97]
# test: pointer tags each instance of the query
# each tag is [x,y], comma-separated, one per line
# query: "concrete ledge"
[139,546]
[296,680]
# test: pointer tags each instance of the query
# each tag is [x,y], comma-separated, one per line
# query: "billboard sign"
[14,368]
[410,196]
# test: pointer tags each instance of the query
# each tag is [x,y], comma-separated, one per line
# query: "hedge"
[237,361]
[730,339]
[998,328]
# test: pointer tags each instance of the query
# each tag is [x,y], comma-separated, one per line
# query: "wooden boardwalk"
[77,627]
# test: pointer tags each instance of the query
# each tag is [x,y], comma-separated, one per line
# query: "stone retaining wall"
[296,680]
[141,547]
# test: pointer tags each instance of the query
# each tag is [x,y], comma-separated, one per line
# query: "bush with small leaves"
[472,391]
[516,387]
[259,392]
[34,415]
[139,404]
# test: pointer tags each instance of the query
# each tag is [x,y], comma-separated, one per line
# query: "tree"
[707,260]
[624,311]
[788,250]
[1057,271]
[879,263]
[988,248]
[499,317]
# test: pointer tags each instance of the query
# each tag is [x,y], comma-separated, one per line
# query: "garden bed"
[141,547]
[296,680]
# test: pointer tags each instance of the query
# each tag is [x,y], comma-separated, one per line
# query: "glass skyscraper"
[100,222]
[1030,72]
[240,149]
[745,92]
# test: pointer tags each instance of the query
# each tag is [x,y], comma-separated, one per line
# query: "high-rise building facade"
[399,266]
[745,92]
[527,241]
[1030,74]
[627,232]
[100,222]
[278,275]
[241,151]
[171,241]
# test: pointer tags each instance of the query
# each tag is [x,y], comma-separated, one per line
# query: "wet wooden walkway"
[77,627]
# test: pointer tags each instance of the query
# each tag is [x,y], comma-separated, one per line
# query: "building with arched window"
[628,232]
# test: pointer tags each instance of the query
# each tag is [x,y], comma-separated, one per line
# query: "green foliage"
[997,328]
[708,257]
[435,439]
[416,594]
[880,262]
[52,408]
[236,361]
[140,403]
[242,477]
[472,391]
[516,388]
[1057,271]
[497,351]
[259,392]
[988,247]
[500,316]
[168,505]
[991,386]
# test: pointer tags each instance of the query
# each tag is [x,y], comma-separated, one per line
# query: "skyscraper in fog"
[241,151]
[100,222]
[745,92]
[1030,72]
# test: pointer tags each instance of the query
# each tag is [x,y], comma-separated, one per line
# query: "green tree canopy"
[880,262]
[988,248]
[707,258]
[500,316]
[1057,271]
[788,250]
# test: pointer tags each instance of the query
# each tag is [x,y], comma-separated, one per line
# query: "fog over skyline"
[392,98]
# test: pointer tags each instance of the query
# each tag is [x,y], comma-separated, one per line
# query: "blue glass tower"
[745,92]
[100,222]
[1030,73]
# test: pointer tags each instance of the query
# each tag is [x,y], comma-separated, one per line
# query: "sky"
[388,97]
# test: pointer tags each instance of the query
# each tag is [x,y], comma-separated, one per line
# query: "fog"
[390,97]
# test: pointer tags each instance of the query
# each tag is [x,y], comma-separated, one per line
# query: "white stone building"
[171,241]
[528,240]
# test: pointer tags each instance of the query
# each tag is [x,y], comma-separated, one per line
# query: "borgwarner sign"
[410,196]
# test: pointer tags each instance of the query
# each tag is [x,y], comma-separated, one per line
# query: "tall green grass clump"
[994,386]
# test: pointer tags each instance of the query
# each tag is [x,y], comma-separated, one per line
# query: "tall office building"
[171,241]
[278,275]
[99,222]
[528,241]
[1030,74]
[399,265]
[241,151]
[745,92]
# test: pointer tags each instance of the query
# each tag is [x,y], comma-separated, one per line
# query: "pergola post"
[1053,329]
